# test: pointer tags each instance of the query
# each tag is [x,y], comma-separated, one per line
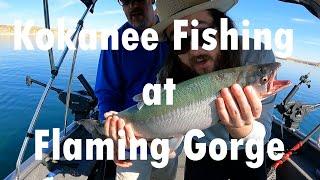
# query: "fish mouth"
[274,86]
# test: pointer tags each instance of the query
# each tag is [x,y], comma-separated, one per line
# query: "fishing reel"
[82,103]
[293,112]
[305,80]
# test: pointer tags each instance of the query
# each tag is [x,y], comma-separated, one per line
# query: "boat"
[304,163]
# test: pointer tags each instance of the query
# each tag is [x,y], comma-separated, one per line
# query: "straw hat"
[169,10]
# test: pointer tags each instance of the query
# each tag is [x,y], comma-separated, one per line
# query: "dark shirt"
[122,74]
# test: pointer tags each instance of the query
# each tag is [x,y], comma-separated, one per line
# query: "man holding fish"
[239,109]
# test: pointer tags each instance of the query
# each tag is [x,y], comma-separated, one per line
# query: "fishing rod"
[69,87]
[288,154]
[304,79]
[47,25]
[54,72]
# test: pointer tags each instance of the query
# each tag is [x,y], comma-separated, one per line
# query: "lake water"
[18,101]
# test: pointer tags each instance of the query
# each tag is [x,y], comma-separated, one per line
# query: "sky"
[108,15]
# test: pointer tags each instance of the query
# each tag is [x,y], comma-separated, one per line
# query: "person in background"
[122,74]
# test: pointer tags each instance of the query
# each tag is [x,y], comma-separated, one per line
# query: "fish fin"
[140,105]
[94,127]
[138,98]
[100,128]
[174,144]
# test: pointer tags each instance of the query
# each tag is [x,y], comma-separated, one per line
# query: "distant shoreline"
[8,30]
[317,64]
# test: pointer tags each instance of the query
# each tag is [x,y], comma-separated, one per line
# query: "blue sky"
[108,14]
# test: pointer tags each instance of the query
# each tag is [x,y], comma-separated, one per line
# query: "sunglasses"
[127,2]
[186,43]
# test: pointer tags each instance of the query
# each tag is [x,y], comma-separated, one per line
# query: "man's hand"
[238,108]
[113,125]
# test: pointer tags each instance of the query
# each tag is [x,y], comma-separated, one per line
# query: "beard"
[137,18]
[175,68]
[204,64]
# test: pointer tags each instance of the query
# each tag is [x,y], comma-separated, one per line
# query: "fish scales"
[193,106]
[194,102]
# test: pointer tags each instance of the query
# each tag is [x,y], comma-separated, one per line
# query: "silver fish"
[193,104]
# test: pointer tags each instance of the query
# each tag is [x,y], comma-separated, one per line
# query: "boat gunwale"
[30,164]
[297,133]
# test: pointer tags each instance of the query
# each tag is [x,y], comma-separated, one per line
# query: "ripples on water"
[19,101]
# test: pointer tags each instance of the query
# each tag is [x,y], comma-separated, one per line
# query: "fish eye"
[265,79]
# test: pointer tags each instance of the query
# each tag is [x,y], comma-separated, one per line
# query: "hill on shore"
[9,30]
[300,61]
